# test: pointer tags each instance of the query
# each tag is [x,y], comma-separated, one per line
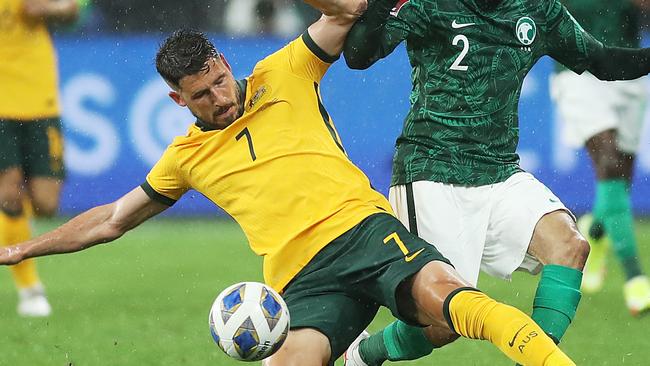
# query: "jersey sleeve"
[165,183]
[567,42]
[381,29]
[301,57]
[407,20]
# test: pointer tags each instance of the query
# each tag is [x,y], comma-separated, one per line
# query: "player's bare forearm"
[98,225]
[88,229]
[339,7]
[58,11]
[330,31]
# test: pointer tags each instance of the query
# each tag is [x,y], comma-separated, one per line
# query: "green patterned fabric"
[469,62]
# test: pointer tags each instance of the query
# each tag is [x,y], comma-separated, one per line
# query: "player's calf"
[441,296]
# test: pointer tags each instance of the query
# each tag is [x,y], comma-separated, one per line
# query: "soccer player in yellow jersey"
[266,151]
[31,148]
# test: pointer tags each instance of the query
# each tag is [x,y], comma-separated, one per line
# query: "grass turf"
[143,300]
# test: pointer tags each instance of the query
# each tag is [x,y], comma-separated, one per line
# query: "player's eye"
[200,94]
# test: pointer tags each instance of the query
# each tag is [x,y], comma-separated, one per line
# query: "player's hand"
[340,7]
[10,255]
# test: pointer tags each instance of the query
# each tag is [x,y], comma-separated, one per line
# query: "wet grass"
[143,300]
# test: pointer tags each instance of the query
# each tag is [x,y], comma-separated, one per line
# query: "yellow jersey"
[279,170]
[28,73]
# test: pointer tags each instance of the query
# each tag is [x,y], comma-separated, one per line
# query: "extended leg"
[15,228]
[563,251]
[439,296]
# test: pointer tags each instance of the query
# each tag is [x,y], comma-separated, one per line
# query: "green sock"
[397,342]
[556,299]
[613,209]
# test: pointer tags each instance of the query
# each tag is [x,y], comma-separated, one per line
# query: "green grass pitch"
[144,299]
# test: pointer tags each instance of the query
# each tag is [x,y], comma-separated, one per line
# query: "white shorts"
[487,227]
[588,106]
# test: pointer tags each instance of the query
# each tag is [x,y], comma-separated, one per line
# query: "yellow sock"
[15,230]
[475,315]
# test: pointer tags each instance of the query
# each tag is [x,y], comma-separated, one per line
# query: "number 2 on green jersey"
[460,38]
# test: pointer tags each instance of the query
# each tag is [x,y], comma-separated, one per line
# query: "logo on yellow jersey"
[260,94]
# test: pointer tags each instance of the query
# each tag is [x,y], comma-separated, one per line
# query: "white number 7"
[456,65]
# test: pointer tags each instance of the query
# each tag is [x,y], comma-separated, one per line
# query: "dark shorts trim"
[154,195]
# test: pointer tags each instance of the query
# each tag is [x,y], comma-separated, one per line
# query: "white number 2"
[456,65]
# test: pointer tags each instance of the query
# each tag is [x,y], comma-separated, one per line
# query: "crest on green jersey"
[526,30]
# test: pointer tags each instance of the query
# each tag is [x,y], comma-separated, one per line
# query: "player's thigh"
[43,155]
[585,105]
[386,258]
[11,188]
[518,205]
[44,194]
[454,219]
[303,347]
[323,296]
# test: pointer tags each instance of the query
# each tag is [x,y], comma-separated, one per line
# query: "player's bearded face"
[212,95]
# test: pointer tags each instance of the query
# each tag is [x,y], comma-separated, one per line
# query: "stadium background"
[144,300]
[118,120]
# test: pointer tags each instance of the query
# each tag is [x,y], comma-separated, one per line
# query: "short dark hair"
[184,53]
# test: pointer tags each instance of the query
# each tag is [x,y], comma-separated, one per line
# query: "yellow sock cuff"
[475,315]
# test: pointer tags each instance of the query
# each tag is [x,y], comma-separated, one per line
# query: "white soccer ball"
[249,321]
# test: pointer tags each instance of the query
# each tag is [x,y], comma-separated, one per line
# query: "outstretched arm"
[330,30]
[98,225]
[578,50]
[617,63]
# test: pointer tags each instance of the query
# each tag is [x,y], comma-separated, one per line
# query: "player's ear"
[225,62]
[177,98]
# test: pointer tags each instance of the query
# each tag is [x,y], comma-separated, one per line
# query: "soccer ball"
[249,321]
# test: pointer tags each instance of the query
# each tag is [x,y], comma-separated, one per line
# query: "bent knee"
[46,209]
[570,252]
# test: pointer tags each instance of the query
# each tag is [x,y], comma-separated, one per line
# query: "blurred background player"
[456,178]
[31,146]
[607,118]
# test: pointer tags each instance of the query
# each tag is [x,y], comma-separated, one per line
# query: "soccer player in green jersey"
[607,118]
[456,176]
[330,242]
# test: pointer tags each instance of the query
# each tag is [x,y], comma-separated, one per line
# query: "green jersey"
[468,66]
